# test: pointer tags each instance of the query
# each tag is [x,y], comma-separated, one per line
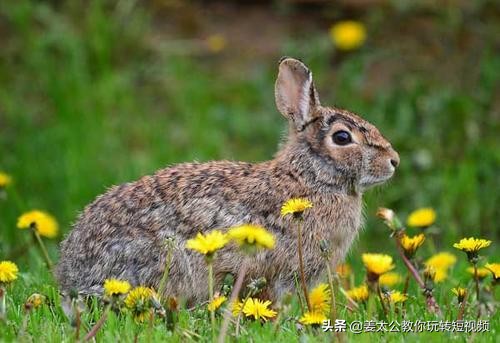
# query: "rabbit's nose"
[394,159]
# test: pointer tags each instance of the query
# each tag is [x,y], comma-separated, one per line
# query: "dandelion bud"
[385,214]
[169,242]
[324,248]
[73,294]
[227,283]
[461,293]
[256,285]
[429,276]
[390,218]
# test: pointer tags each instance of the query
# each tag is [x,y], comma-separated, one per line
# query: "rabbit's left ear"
[295,94]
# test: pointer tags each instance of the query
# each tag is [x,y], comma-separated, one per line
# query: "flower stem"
[78,322]
[211,294]
[431,244]
[98,325]
[301,264]
[461,310]
[42,247]
[407,283]
[476,281]
[166,271]
[297,289]
[379,292]
[232,299]
[333,310]
[405,289]
[370,304]
[22,330]
[239,315]
[150,326]
[349,299]
[432,305]
[3,306]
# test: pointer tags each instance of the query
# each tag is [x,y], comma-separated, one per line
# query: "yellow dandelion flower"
[348,34]
[344,270]
[139,294]
[494,268]
[389,279]
[295,206]
[460,292]
[258,309]
[5,180]
[140,301]
[437,266]
[423,217]
[442,260]
[481,272]
[45,224]
[319,298]
[436,274]
[216,43]
[472,245]
[358,294]
[216,303]
[8,271]
[313,318]
[397,297]
[116,287]
[208,244]
[377,264]
[35,300]
[411,244]
[236,307]
[252,235]
[440,275]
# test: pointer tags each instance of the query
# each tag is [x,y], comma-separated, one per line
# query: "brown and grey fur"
[122,233]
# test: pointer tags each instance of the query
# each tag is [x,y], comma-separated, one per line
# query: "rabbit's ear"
[295,94]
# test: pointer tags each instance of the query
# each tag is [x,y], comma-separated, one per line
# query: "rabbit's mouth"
[370,181]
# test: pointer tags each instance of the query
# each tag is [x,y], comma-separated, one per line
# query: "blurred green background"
[96,93]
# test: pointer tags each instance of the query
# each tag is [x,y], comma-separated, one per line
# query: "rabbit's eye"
[342,137]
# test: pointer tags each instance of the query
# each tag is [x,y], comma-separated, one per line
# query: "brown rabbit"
[331,156]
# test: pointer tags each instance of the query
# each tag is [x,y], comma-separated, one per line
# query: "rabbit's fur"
[122,233]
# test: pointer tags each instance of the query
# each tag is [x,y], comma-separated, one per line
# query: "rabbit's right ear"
[295,94]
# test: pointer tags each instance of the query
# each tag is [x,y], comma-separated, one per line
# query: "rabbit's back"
[122,233]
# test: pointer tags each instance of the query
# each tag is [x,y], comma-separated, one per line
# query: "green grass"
[91,97]
[49,323]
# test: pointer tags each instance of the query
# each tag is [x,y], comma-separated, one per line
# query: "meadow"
[100,93]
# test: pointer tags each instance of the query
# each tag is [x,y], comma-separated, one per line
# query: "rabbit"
[331,157]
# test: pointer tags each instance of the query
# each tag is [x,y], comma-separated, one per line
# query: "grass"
[92,98]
